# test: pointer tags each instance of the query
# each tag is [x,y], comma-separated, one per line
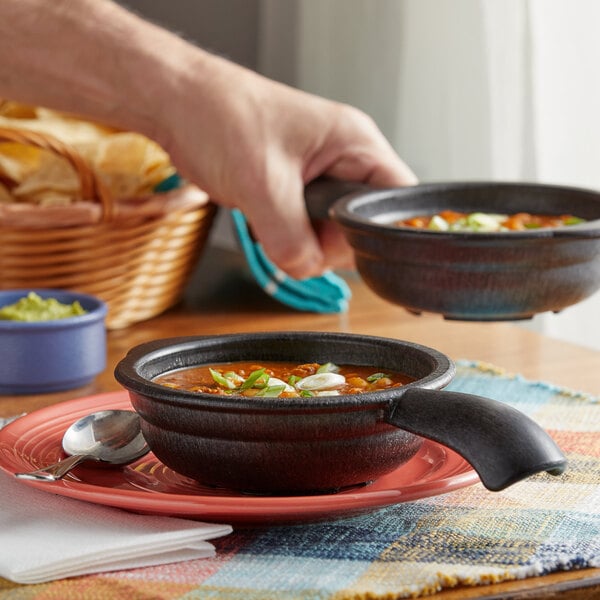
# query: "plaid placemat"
[466,537]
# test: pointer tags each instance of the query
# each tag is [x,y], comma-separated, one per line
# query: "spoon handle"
[56,470]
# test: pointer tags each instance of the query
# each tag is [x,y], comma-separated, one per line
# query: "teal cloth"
[326,294]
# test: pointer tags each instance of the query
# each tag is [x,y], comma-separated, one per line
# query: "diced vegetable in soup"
[282,379]
[449,220]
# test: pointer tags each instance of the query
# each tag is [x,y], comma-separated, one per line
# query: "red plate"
[148,486]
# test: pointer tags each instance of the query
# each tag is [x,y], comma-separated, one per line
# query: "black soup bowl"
[323,443]
[493,276]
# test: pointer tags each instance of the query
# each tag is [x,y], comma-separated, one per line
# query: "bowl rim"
[127,374]
[95,307]
[344,212]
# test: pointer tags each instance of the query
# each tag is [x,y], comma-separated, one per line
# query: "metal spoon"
[109,436]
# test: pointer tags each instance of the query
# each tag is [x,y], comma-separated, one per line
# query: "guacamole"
[35,308]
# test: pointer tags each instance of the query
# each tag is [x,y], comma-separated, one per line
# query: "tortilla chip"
[128,163]
[16,110]
[51,198]
[53,174]
[131,164]
[5,196]
[17,161]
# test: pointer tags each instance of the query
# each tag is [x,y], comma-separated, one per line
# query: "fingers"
[353,150]
[306,249]
[280,222]
[393,174]
[337,251]
[299,251]
[372,170]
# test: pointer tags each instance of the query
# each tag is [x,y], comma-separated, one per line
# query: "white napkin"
[44,536]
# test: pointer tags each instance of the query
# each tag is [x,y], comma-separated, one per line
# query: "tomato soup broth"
[282,379]
[449,220]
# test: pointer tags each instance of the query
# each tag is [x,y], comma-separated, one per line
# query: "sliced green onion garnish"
[235,377]
[293,379]
[276,381]
[376,377]
[271,391]
[459,225]
[573,221]
[306,394]
[484,221]
[438,223]
[255,379]
[221,380]
[328,368]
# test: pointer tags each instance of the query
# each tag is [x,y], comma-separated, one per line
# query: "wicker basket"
[135,255]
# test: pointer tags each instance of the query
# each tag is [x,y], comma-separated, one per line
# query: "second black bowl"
[469,276]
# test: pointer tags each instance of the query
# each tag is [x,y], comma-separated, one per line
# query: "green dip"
[34,308]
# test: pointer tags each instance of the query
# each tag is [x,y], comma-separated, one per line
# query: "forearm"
[92,58]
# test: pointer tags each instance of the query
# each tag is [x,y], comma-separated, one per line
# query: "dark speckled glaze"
[307,445]
[468,276]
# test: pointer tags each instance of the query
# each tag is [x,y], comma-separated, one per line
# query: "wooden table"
[222,298]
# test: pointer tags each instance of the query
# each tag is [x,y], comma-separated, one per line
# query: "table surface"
[222,298]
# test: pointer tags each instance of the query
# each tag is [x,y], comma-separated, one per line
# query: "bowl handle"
[321,193]
[500,442]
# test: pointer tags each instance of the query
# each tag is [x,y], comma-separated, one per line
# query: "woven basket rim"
[155,239]
[97,204]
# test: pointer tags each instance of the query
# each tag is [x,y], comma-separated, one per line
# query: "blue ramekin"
[49,356]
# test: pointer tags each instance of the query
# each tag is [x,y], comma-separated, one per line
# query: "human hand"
[250,142]
[254,144]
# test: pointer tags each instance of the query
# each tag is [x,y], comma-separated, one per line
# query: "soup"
[281,379]
[449,220]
